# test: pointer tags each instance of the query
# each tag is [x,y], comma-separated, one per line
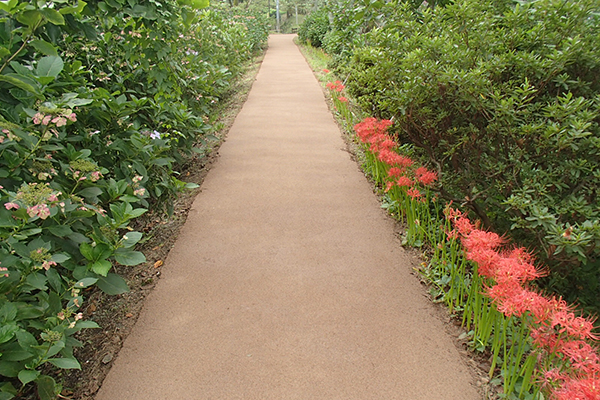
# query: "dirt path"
[287,281]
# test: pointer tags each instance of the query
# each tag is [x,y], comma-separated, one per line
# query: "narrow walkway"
[287,281]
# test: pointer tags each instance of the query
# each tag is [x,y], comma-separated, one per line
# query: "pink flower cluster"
[401,171]
[58,120]
[556,331]
[38,198]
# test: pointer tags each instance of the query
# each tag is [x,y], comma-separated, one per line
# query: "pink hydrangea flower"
[11,206]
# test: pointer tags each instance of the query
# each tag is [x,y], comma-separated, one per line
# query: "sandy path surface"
[287,281]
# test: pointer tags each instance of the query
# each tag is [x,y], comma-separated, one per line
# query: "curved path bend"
[287,281]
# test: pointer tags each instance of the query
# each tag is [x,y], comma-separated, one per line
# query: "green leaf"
[129,199]
[137,212]
[38,281]
[26,339]
[131,239]
[31,232]
[65,363]
[101,267]
[50,66]
[16,355]
[90,192]
[101,252]
[7,332]
[78,238]
[27,375]
[8,5]
[53,16]
[31,18]
[87,325]
[86,282]
[199,4]
[162,161]
[86,250]
[10,369]
[54,279]
[21,83]
[130,258]
[60,231]
[74,9]
[7,390]
[47,388]
[60,257]
[44,47]
[113,284]
[8,312]
[28,311]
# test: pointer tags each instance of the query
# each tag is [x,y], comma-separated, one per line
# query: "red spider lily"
[556,329]
[388,144]
[395,172]
[486,259]
[481,239]
[326,70]
[579,388]
[425,177]
[338,86]
[414,194]
[343,99]
[404,181]
[514,269]
[581,355]
[369,127]
[428,178]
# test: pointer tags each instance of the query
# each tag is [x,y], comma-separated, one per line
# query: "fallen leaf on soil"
[129,315]
[159,263]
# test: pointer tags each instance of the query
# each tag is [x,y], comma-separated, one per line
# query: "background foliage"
[101,103]
[502,99]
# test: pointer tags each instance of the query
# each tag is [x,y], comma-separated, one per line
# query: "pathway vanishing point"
[287,281]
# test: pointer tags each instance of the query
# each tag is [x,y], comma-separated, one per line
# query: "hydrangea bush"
[100,104]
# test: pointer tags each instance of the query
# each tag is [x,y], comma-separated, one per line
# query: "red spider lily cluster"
[561,337]
[338,86]
[401,172]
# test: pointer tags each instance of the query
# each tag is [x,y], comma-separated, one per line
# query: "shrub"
[502,97]
[314,28]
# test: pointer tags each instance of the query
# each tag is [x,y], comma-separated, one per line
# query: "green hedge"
[502,98]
